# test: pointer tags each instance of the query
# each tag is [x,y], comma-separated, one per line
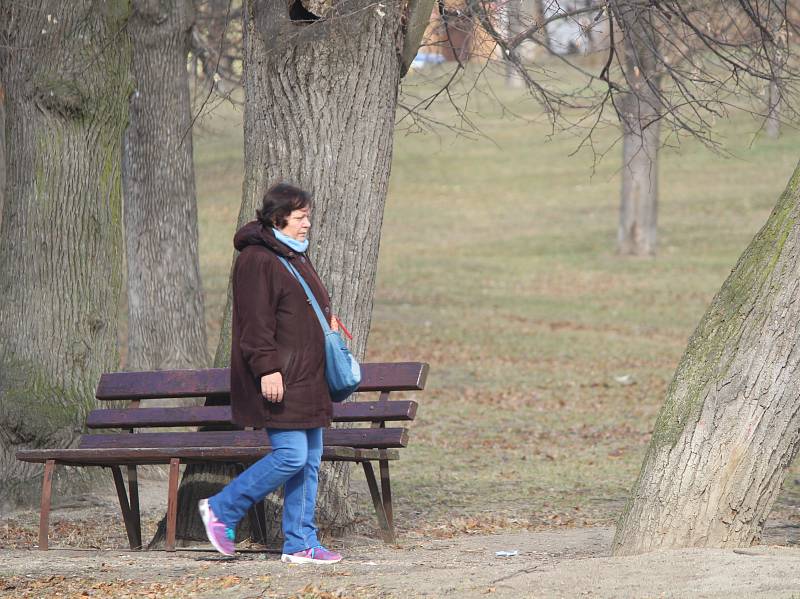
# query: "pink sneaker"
[315,555]
[221,536]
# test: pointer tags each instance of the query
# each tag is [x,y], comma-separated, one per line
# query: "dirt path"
[561,563]
[570,563]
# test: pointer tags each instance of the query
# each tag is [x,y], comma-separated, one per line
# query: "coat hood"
[254,233]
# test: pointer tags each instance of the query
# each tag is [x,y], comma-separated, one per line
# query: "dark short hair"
[279,202]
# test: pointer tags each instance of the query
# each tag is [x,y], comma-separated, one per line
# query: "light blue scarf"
[297,246]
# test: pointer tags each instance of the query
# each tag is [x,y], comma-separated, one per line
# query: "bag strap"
[311,299]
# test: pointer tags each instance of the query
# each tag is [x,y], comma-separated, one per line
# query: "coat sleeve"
[255,299]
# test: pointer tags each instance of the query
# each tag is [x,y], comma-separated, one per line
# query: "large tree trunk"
[66,83]
[730,426]
[2,151]
[166,323]
[320,100]
[638,110]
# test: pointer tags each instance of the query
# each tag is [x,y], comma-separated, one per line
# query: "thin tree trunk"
[418,18]
[320,101]
[166,324]
[66,83]
[513,14]
[779,56]
[638,111]
[638,214]
[773,124]
[730,425]
[542,37]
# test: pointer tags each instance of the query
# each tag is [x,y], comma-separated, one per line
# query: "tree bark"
[638,215]
[417,20]
[166,323]
[65,69]
[319,111]
[639,110]
[320,99]
[2,151]
[730,425]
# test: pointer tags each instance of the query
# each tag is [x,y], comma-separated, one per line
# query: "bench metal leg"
[386,492]
[131,527]
[172,503]
[44,510]
[133,492]
[387,530]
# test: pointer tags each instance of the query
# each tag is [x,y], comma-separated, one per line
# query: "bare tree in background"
[779,55]
[514,18]
[671,69]
[166,324]
[639,111]
[65,70]
[536,12]
[216,48]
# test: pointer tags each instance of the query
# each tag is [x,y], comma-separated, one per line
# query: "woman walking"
[277,376]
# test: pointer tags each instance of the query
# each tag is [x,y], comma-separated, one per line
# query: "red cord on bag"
[344,328]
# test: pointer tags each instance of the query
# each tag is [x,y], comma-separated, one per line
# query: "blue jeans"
[294,463]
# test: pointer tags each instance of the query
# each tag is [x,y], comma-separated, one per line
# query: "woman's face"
[297,224]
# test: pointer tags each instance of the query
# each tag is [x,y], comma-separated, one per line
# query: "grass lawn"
[497,266]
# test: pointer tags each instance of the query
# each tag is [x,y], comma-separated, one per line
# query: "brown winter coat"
[275,329]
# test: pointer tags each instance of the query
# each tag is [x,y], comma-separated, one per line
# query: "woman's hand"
[334,323]
[272,387]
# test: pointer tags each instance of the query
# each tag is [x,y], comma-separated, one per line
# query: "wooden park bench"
[372,441]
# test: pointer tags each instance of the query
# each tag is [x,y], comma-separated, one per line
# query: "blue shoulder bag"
[342,370]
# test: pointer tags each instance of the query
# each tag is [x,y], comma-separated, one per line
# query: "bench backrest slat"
[397,376]
[350,437]
[366,411]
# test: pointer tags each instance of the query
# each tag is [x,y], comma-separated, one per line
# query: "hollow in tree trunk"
[730,425]
[320,99]
[66,86]
[166,323]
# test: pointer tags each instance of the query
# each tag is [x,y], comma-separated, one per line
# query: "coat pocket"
[289,371]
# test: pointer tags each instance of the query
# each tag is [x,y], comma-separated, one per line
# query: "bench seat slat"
[397,376]
[372,411]
[393,376]
[153,417]
[349,437]
[145,456]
